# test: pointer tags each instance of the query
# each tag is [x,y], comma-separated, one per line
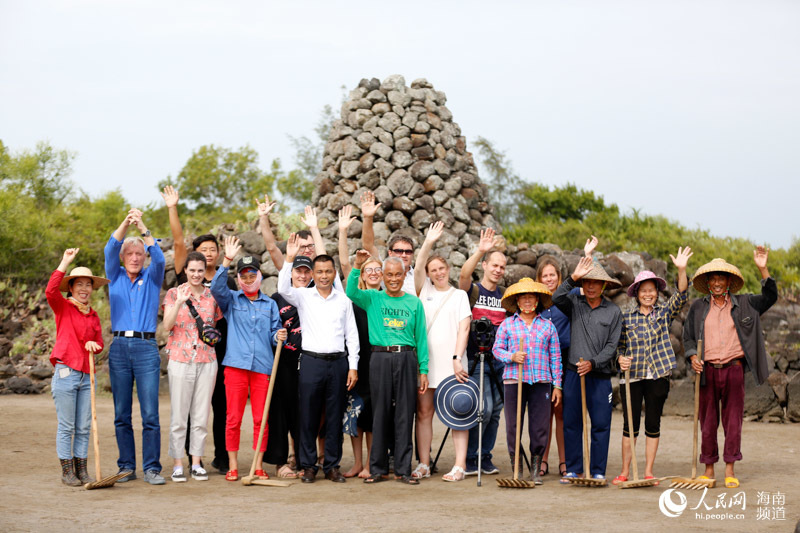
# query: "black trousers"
[283,412]
[322,386]
[654,393]
[392,377]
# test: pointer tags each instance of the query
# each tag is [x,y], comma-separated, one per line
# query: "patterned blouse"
[184,344]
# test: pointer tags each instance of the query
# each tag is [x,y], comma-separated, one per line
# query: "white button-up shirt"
[327,322]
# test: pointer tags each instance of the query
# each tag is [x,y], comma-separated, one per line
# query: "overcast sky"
[688,109]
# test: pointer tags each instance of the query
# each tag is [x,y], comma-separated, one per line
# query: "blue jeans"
[493,407]
[598,405]
[129,360]
[71,394]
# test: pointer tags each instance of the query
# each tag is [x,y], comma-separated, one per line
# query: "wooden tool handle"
[585,432]
[519,412]
[631,436]
[696,409]
[265,414]
[95,438]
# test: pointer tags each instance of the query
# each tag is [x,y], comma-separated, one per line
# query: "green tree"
[504,184]
[563,203]
[298,184]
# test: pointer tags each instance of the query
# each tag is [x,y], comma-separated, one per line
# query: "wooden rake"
[694,483]
[515,482]
[101,483]
[253,479]
[586,481]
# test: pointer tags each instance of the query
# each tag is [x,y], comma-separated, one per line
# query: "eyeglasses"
[371,270]
[307,247]
[402,251]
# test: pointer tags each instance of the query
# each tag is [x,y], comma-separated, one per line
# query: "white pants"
[190,388]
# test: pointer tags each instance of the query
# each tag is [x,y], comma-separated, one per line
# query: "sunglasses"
[376,270]
[402,251]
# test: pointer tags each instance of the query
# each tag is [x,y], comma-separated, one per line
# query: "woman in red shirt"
[77,333]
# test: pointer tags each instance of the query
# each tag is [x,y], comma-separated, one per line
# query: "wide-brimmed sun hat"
[456,403]
[599,273]
[525,286]
[700,279]
[645,275]
[82,272]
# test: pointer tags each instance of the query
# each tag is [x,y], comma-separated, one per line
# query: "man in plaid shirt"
[530,341]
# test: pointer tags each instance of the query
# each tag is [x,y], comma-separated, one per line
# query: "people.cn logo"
[669,507]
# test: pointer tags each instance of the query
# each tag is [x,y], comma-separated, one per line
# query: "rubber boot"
[536,468]
[80,470]
[68,473]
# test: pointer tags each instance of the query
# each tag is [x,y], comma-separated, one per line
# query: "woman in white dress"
[448,318]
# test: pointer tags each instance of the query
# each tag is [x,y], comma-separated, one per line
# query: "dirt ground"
[32,497]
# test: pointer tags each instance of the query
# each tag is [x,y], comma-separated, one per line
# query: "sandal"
[408,480]
[456,474]
[731,483]
[544,468]
[285,471]
[232,475]
[562,471]
[375,478]
[653,477]
[620,479]
[261,474]
[422,471]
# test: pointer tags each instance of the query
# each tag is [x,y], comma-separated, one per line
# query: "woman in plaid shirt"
[530,341]
[645,350]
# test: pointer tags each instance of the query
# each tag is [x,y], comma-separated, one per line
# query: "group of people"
[376,350]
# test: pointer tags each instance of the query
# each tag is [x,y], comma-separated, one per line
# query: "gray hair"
[130,241]
[389,260]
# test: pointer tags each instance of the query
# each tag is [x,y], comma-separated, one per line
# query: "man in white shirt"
[327,372]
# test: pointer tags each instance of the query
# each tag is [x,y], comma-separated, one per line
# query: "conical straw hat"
[700,279]
[599,273]
[525,286]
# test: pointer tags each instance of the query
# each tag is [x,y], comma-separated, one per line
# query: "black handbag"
[207,333]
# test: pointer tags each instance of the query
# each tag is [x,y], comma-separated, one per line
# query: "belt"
[735,362]
[393,348]
[333,356]
[135,334]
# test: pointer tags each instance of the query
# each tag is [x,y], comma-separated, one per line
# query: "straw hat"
[456,403]
[599,273]
[82,272]
[700,280]
[525,286]
[645,275]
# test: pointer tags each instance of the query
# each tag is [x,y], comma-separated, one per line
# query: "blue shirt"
[252,326]
[134,305]
[560,321]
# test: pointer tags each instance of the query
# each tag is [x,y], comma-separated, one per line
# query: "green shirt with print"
[392,319]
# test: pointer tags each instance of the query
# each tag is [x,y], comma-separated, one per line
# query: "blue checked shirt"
[543,362]
[645,338]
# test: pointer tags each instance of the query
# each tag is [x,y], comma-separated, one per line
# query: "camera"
[483,330]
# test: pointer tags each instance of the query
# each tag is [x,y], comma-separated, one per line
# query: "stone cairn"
[402,144]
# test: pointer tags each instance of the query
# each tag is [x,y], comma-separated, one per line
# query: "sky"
[687,108]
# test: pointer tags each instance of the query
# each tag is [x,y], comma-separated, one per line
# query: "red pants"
[237,383]
[724,387]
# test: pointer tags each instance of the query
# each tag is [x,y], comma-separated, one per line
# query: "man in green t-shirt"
[398,334]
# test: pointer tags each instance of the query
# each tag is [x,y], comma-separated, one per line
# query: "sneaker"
[487,467]
[472,467]
[154,478]
[130,477]
[177,476]
[199,473]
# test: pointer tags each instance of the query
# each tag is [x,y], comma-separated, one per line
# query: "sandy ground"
[32,497]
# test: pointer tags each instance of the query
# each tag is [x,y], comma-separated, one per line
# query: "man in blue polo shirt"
[133,356]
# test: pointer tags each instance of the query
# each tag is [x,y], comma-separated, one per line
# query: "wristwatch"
[146,234]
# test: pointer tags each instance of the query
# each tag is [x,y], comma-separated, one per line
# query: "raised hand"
[232,246]
[292,247]
[346,217]
[310,219]
[183,293]
[487,241]
[170,196]
[69,255]
[368,205]
[361,258]
[584,267]
[435,231]
[760,256]
[682,258]
[590,245]
[265,207]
